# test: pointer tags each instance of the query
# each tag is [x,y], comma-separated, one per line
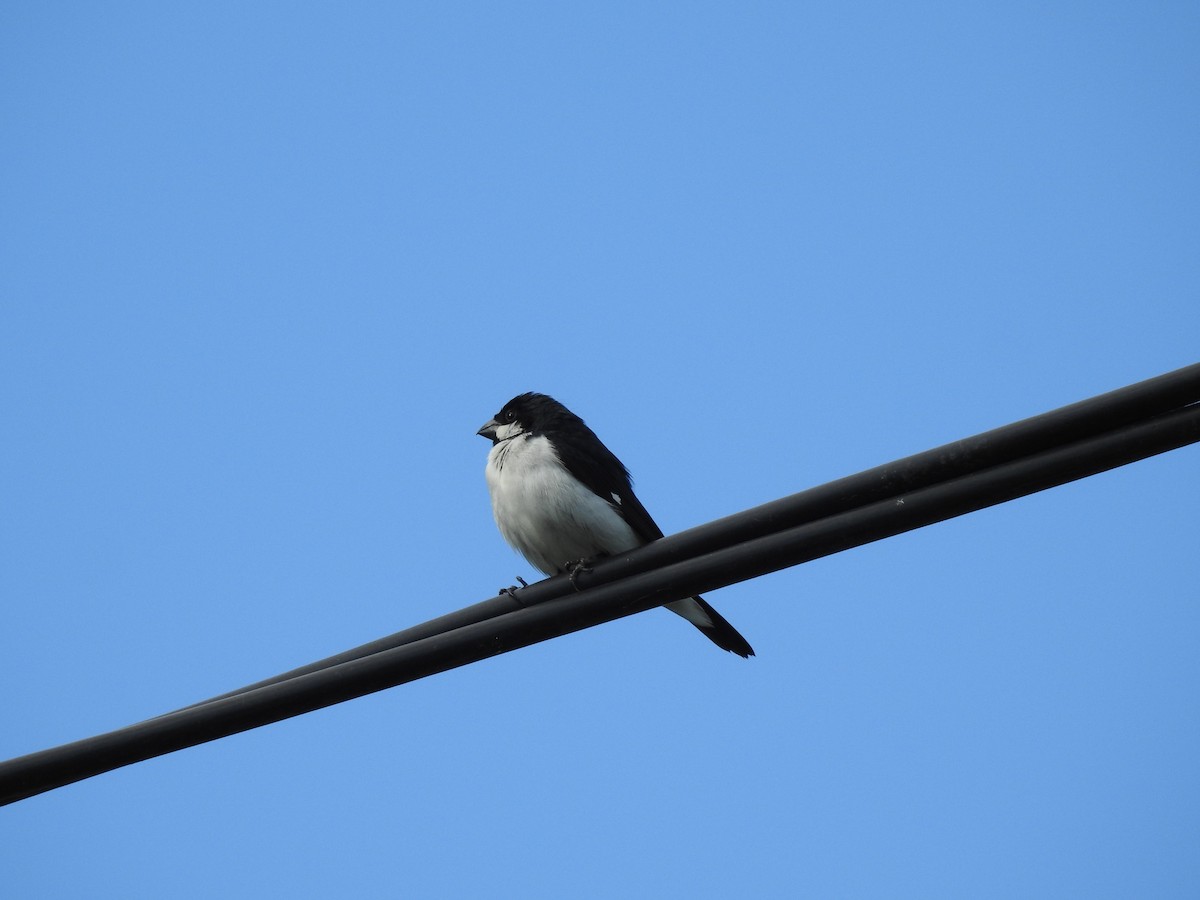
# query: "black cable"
[1136,402]
[892,514]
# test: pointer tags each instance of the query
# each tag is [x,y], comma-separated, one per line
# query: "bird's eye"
[510,416]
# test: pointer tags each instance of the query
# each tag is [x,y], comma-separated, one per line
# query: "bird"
[561,498]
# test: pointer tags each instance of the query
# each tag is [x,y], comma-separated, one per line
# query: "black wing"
[586,457]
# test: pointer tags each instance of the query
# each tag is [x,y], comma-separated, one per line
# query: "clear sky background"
[265,269]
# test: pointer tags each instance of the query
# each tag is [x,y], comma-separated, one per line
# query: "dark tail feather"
[713,625]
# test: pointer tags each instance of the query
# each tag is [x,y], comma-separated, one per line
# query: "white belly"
[543,512]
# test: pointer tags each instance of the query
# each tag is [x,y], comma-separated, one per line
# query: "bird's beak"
[489,430]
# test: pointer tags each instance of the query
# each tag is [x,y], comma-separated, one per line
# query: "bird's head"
[526,413]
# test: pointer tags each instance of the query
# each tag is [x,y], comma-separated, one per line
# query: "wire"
[1010,462]
[1087,418]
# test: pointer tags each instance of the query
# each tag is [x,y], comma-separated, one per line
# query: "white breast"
[544,512]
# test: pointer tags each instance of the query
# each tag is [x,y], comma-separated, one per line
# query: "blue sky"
[265,268]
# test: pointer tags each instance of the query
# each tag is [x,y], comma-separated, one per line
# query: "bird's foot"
[512,589]
[575,569]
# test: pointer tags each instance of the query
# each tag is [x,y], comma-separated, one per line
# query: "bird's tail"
[714,626]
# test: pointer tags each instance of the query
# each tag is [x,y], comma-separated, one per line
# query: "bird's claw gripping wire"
[512,589]
[575,568]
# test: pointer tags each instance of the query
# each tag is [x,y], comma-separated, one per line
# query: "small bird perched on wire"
[560,498]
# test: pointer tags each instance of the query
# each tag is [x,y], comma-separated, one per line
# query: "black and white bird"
[560,497]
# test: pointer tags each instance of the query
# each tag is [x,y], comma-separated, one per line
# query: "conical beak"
[489,430]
